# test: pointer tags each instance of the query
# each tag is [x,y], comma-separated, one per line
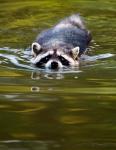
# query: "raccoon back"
[69,31]
[74,20]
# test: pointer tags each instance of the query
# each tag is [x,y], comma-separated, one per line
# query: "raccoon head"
[54,58]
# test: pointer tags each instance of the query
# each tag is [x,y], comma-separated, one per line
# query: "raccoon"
[62,45]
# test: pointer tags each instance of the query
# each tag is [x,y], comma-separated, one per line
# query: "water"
[70,109]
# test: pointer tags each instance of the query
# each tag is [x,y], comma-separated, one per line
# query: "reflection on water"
[67,109]
[29,145]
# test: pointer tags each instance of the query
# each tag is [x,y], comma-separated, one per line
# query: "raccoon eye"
[63,61]
[45,59]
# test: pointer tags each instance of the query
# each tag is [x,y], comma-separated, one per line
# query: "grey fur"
[66,35]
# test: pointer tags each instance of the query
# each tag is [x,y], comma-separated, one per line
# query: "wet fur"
[66,35]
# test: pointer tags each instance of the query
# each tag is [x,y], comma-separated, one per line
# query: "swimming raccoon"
[61,45]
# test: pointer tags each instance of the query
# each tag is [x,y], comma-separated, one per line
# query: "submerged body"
[62,45]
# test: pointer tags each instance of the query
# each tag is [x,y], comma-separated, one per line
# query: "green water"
[64,111]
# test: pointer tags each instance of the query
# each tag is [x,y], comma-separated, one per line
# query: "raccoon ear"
[75,52]
[36,47]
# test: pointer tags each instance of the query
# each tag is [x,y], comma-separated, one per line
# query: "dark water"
[69,110]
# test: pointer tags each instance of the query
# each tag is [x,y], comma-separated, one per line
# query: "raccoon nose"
[54,65]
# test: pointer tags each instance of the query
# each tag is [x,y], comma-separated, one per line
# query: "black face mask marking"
[43,61]
[63,61]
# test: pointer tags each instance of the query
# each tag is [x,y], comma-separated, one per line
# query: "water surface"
[66,110]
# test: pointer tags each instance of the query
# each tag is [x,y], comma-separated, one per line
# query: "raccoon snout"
[54,65]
